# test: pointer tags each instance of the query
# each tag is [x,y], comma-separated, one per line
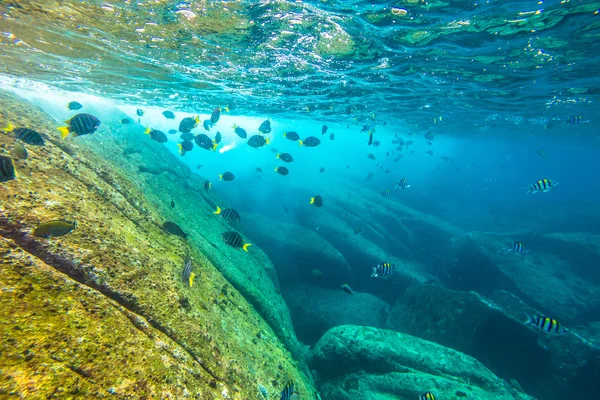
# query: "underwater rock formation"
[103,310]
[354,362]
[315,310]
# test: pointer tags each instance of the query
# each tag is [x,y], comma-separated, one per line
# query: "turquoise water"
[486,91]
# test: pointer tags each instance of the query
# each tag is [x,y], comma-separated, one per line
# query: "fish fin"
[147,131]
[374,274]
[220,177]
[277,156]
[192,275]
[234,127]
[312,200]
[300,142]
[245,246]
[9,128]
[268,141]
[197,119]
[64,131]
[529,321]
[284,134]
[218,210]
[215,146]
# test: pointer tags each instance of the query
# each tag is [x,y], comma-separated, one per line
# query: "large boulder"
[354,362]
[315,310]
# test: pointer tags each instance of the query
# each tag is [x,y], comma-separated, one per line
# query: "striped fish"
[159,136]
[427,396]
[517,248]
[382,271]
[185,146]
[26,135]
[574,120]
[310,141]
[543,185]
[402,184]
[205,142]
[227,176]
[189,123]
[228,214]
[81,124]
[288,391]
[235,240]
[547,325]
[7,169]
[386,193]
[187,275]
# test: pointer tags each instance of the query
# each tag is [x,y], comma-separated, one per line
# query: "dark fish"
[168,114]
[310,141]
[430,152]
[376,143]
[322,169]
[324,129]
[429,135]
[207,185]
[359,230]
[205,142]
[74,106]
[172,131]
[139,112]
[347,289]
[395,141]
[185,146]
[189,123]
[370,139]
[286,157]
[399,148]
[218,138]
[371,156]
[174,229]
[370,176]
[159,136]
[517,247]
[427,396]
[126,121]
[402,184]
[172,203]
[274,150]
[408,142]
[543,185]
[241,132]
[288,392]
[365,128]
[282,170]
[574,120]
[228,214]
[386,193]
[257,141]
[186,136]
[26,135]
[7,169]
[54,228]
[316,201]
[81,124]
[19,151]
[541,153]
[207,124]
[216,114]
[387,171]
[199,166]
[227,176]
[235,240]
[291,135]
[382,271]
[265,127]
[332,136]
[187,276]
[258,169]
[547,325]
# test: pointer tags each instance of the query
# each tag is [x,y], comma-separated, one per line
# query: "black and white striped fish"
[547,325]
[235,240]
[7,169]
[382,270]
[427,396]
[402,184]
[187,275]
[228,214]
[517,248]
[81,124]
[543,185]
[26,135]
[289,393]
[159,136]
[185,146]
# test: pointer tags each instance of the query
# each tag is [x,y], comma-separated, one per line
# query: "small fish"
[168,114]
[286,157]
[19,151]
[427,396]
[199,166]
[402,184]
[395,141]
[371,156]
[347,289]
[322,169]
[574,120]
[399,148]
[172,131]
[291,135]
[204,142]
[445,158]
[376,143]
[140,112]
[174,229]
[226,176]
[54,228]
[274,150]
[259,169]
[158,136]
[365,128]
[370,176]
[316,201]
[543,185]
[7,169]
[310,141]
[172,203]
[185,146]
[387,171]
[332,136]
[541,153]
[189,123]
[81,124]
[241,132]
[282,170]
[289,393]
[517,248]
[74,106]
[265,127]
[257,141]
[429,135]
[324,129]
[386,193]
[186,136]
[430,152]
[547,325]
[359,230]
[207,124]
[409,142]
[187,276]
[207,185]
[235,240]
[215,116]
[382,271]
[218,138]
[370,139]
[228,214]
[26,135]
[126,121]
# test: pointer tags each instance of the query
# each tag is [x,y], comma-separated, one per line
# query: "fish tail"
[284,134]
[9,128]
[277,156]
[192,275]
[218,210]
[147,131]
[312,200]
[301,142]
[276,168]
[234,127]
[268,140]
[197,118]
[529,321]
[245,246]
[215,145]
[226,109]
[64,131]
[220,177]
[374,273]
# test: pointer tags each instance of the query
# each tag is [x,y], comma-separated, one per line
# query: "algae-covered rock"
[367,363]
[315,310]
[104,308]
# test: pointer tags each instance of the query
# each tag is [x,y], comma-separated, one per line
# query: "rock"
[355,362]
[315,310]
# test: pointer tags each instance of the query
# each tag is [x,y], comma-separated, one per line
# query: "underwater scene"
[300,200]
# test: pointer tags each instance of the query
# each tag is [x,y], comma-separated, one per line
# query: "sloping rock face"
[367,363]
[103,310]
[315,310]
